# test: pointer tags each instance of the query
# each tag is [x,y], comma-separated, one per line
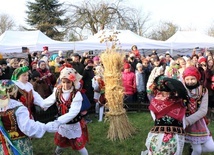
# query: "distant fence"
[50,114]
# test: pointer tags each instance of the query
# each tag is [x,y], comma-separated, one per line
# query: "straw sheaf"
[120,128]
[112,62]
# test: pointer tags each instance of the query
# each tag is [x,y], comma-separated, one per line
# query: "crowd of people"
[179,90]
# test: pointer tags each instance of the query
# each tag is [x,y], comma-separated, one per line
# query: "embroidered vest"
[10,124]
[27,100]
[64,105]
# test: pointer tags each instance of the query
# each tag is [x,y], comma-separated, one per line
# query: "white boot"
[101,114]
[58,150]
[97,107]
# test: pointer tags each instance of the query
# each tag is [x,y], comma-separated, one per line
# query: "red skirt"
[77,143]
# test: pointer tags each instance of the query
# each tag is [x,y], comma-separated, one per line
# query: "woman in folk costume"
[197,132]
[73,133]
[168,109]
[26,94]
[99,91]
[16,127]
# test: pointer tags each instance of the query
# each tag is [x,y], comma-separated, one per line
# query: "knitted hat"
[126,66]
[202,60]
[96,58]
[18,71]
[192,71]
[33,62]
[139,65]
[7,89]
[40,61]
[72,75]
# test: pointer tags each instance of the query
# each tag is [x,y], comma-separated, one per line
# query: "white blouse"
[28,126]
[38,100]
[67,130]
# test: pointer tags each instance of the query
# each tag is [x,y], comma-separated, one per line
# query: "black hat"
[171,85]
[3,62]
[76,55]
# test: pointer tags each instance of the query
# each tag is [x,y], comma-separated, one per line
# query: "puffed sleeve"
[73,111]
[28,126]
[49,101]
[38,100]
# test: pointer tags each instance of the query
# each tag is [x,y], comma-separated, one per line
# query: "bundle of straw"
[120,128]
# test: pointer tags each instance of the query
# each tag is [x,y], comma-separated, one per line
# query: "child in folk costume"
[197,132]
[99,91]
[168,109]
[16,127]
[73,133]
[26,94]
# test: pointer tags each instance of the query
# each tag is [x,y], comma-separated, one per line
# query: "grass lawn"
[100,145]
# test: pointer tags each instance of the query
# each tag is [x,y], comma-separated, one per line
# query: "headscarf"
[18,71]
[72,75]
[7,89]
[40,61]
[192,71]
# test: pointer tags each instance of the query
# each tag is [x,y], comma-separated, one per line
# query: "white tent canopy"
[189,39]
[126,39]
[13,41]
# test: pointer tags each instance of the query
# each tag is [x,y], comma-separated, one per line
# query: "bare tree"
[6,23]
[94,16]
[163,31]
[138,22]
[210,30]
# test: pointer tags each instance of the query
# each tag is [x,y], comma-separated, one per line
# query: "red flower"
[72,77]
[22,99]
[167,137]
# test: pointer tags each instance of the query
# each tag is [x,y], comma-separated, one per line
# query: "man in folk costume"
[73,131]
[168,109]
[197,132]
[26,94]
[16,127]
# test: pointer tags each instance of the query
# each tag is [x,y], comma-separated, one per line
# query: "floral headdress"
[72,75]
[7,89]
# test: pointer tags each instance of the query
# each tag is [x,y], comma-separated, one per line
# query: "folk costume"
[16,127]
[73,131]
[26,94]
[197,132]
[99,91]
[168,111]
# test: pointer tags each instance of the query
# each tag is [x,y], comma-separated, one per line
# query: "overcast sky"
[197,14]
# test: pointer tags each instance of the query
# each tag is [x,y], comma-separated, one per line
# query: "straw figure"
[120,128]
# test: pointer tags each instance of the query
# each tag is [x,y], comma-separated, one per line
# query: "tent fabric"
[125,40]
[13,41]
[189,39]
